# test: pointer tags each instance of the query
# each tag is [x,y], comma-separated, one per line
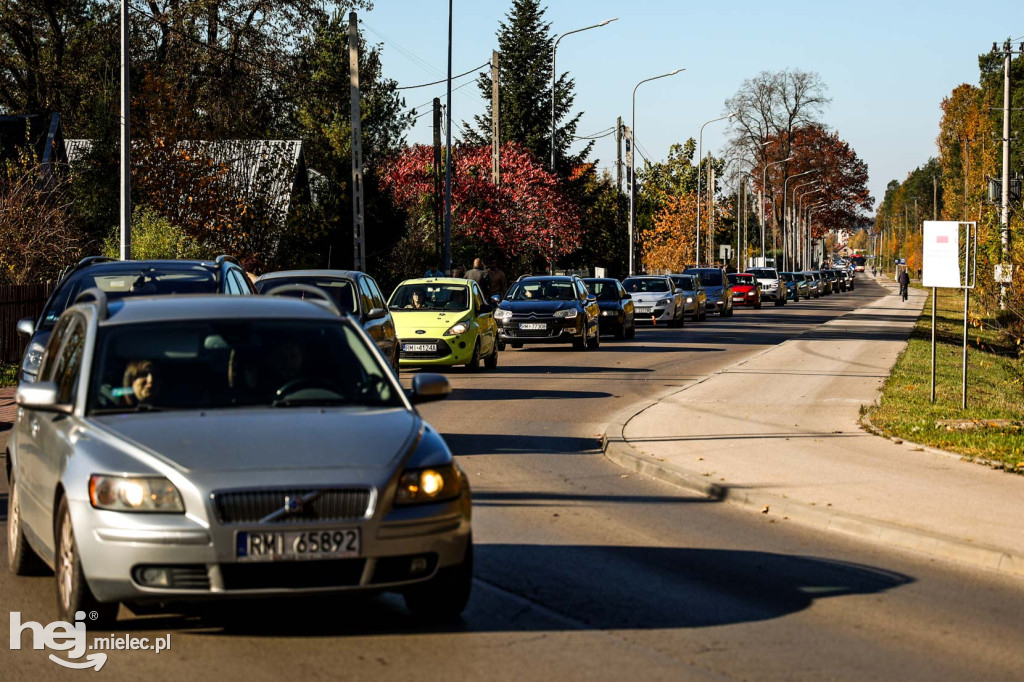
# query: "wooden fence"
[18,301]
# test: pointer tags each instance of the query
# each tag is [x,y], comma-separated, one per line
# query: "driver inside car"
[140,383]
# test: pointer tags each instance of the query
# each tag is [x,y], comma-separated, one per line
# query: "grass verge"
[995,388]
[8,374]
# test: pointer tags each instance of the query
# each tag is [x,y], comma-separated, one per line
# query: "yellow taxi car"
[443,321]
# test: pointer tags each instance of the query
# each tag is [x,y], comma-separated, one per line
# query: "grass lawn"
[8,374]
[995,388]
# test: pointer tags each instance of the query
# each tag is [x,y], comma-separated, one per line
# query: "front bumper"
[611,320]
[451,350]
[112,547]
[771,294]
[744,300]
[654,314]
[556,330]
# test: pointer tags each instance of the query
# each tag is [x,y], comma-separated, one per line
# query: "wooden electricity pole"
[495,121]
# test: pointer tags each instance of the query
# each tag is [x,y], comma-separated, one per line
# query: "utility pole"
[126,138]
[627,137]
[618,153]
[358,228]
[438,196]
[448,156]
[711,212]
[495,122]
[935,198]
[1004,213]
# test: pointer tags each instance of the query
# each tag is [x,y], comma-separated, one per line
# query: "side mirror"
[429,387]
[377,314]
[679,291]
[628,296]
[27,326]
[496,300]
[41,396]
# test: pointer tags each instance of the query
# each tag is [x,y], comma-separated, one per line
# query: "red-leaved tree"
[527,218]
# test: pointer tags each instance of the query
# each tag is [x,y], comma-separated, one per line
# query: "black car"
[353,292]
[121,278]
[549,309]
[616,307]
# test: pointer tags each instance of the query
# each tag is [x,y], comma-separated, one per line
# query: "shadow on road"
[522,394]
[525,588]
[465,444]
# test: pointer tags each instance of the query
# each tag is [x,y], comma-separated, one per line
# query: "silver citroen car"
[201,447]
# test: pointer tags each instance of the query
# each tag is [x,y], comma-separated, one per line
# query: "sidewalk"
[779,432]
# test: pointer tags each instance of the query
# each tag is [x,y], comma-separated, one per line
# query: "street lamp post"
[764,196]
[632,164]
[794,215]
[700,154]
[809,238]
[554,76]
[785,207]
[801,250]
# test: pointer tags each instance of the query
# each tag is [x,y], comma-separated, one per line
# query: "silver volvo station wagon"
[201,447]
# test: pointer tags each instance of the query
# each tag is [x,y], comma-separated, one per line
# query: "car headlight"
[33,358]
[433,484]
[134,494]
[689,299]
[568,313]
[751,293]
[664,301]
[458,328]
[502,315]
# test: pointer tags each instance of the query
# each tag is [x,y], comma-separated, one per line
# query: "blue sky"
[887,64]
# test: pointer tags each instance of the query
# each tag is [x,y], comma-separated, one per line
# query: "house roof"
[43,133]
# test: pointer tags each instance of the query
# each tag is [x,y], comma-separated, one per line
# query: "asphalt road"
[584,572]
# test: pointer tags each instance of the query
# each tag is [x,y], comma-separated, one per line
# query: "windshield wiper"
[309,402]
[125,409]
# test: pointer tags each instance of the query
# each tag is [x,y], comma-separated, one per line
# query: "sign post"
[941,269]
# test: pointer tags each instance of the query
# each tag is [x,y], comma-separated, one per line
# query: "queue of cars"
[180,438]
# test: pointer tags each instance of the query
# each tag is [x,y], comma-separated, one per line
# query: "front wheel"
[491,361]
[780,302]
[474,361]
[631,332]
[620,331]
[445,596]
[595,340]
[73,593]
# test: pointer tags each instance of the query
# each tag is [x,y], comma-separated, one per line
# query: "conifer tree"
[525,41]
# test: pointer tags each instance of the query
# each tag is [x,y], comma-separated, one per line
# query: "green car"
[443,321]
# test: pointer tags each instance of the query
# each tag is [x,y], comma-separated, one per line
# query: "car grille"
[293,574]
[251,506]
[443,350]
[515,332]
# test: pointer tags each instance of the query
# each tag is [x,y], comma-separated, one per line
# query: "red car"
[745,290]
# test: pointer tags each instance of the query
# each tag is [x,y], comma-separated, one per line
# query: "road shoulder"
[778,433]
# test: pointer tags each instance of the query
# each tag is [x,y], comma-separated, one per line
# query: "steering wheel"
[304,383]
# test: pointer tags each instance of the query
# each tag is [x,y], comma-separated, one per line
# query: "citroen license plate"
[644,311]
[532,325]
[311,544]
[419,347]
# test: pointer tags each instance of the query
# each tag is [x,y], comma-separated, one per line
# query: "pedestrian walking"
[458,271]
[498,285]
[904,280]
[476,273]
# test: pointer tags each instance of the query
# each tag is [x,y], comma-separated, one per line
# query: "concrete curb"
[617,448]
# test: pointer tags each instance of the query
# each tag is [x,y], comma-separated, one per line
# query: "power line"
[443,80]
[593,137]
[411,56]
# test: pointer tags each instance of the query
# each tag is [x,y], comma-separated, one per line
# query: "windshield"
[742,279]
[766,273]
[788,277]
[430,297]
[542,290]
[684,282]
[342,291]
[709,278]
[644,285]
[605,290]
[235,363]
[133,280]
[858,260]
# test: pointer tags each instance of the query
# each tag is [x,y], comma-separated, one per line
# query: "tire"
[73,593]
[21,558]
[394,362]
[595,340]
[580,344]
[758,306]
[780,303]
[443,597]
[704,314]
[491,361]
[731,311]
[474,362]
[620,332]
[631,332]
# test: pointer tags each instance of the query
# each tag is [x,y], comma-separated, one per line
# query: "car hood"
[540,307]
[741,288]
[713,291]
[649,296]
[253,439]
[433,322]
[608,305]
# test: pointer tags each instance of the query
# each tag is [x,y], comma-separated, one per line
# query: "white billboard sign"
[941,254]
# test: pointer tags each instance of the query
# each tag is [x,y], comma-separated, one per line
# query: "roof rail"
[317,296]
[90,260]
[226,258]
[94,295]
